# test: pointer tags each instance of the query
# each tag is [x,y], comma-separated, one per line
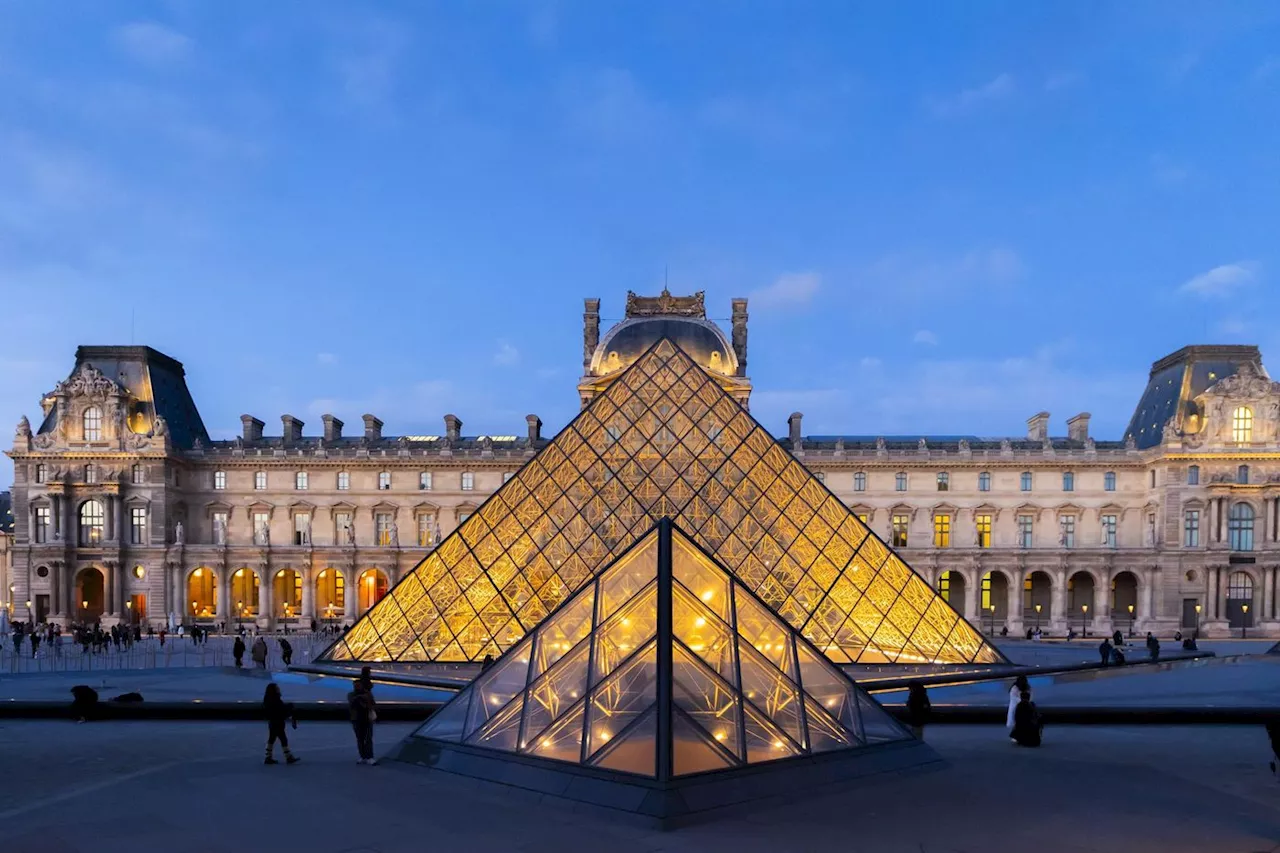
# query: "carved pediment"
[1247,381]
[87,381]
[666,304]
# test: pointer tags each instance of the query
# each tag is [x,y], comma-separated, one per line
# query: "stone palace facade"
[126,511]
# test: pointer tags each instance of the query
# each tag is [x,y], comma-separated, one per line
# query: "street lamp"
[993,620]
[1130,620]
[1038,606]
[1197,621]
[1084,619]
[1244,622]
[128,606]
[240,615]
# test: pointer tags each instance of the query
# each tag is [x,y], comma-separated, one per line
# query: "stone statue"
[923,446]
[159,427]
[1151,534]
[964,445]
[1006,448]
[306,532]
[1090,446]
[1062,536]
[395,535]
[219,532]
[24,428]
[178,535]
[264,533]
[881,447]
[1130,443]
[351,534]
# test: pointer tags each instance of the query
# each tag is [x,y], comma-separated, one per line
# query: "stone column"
[108,589]
[972,588]
[1058,599]
[68,589]
[1018,578]
[226,607]
[266,598]
[55,589]
[1102,605]
[308,596]
[352,601]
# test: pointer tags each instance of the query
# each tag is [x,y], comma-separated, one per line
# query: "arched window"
[1193,475]
[1109,481]
[860,481]
[1240,600]
[1240,527]
[1242,474]
[93,424]
[92,519]
[1240,585]
[984,481]
[1242,424]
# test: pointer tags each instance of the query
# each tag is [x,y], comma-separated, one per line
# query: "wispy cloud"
[1269,68]
[326,358]
[788,290]
[910,272]
[925,337]
[1060,80]
[996,89]
[1232,327]
[1167,171]
[507,355]
[367,60]
[611,105]
[151,43]
[1221,280]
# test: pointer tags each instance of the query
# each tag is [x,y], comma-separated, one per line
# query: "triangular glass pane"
[498,686]
[635,751]
[877,725]
[765,633]
[702,631]
[557,689]
[692,751]
[829,688]
[630,628]
[825,734]
[710,702]
[562,741]
[501,732]
[621,698]
[449,722]
[764,741]
[701,577]
[563,631]
[770,691]
[629,574]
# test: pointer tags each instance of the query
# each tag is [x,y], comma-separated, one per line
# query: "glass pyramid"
[664,440]
[663,666]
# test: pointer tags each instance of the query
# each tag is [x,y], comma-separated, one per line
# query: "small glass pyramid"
[663,666]
[664,440]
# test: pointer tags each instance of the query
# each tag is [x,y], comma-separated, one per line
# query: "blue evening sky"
[947,216]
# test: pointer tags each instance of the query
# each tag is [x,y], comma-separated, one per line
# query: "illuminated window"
[468,481]
[860,481]
[137,526]
[1109,481]
[1068,481]
[900,524]
[1191,528]
[137,474]
[260,480]
[942,531]
[1242,474]
[944,481]
[300,481]
[944,586]
[426,531]
[1068,525]
[220,480]
[983,525]
[43,518]
[331,598]
[864,517]
[91,474]
[900,481]
[342,528]
[93,424]
[261,529]
[344,481]
[384,480]
[1026,531]
[1025,481]
[424,481]
[382,528]
[984,481]
[1240,527]
[92,520]
[1109,531]
[40,473]
[1193,475]
[1241,424]
[986,593]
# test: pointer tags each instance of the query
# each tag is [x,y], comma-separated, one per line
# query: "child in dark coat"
[278,712]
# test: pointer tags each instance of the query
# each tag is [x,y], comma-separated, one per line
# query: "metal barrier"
[176,653]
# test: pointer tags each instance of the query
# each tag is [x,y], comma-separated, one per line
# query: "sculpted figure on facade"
[23,429]
[306,532]
[219,532]
[178,535]
[395,535]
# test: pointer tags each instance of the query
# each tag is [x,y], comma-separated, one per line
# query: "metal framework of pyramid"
[652,688]
[664,440]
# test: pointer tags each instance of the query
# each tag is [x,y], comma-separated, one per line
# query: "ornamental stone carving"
[23,429]
[87,381]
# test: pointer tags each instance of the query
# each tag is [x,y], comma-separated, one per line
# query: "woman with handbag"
[364,714]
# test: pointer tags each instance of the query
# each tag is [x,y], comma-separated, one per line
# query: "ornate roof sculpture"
[663,667]
[663,440]
[667,305]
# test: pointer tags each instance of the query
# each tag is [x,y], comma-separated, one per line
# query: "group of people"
[361,708]
[259,652]
[1111,651]
[1023,722]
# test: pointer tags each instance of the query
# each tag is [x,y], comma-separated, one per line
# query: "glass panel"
[636,751]
[770,691]
[629,574]
[700,630]
[630,628]
[877,725]
[692,751]
[824,733]
[622,698]
[449,721]
[762,631]
[557,689]
[709,701]
[563,631]
[563,740]
[764,740]
[704,580]
[828,688]
[503,731]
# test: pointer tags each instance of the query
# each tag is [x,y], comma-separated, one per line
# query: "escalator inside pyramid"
[664,432]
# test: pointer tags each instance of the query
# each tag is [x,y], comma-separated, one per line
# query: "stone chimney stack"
[793,428]
[1038,427]
[590,331]
[292,429]
[251,428]
[740,334]
[332,428]
[534,424]
[1078,427]
[452,427]
[372,428]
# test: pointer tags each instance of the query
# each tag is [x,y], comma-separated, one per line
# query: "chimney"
[534,424]
[590,331]
[372,428]
[740,334]
[793,428]
[1038,427]
[452,427]
[251,428]
[1078,427]
[332,427]
[292,429]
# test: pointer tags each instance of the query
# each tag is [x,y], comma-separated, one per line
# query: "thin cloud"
[987,266]
[1221,280]
[925,337]
[996,89]
[326,358]
[151,43]
[507,355]
[611,105]
[789,289]
[367,62]
[1269,68]
[1063,80]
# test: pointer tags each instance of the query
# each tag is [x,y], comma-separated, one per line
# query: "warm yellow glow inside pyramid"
[663,441]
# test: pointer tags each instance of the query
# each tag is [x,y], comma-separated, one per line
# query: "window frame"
[860,481]
[1068,481]
[982,529]
[301,481]
[899,529]
[137,525]
[1109,481]
[384,481]
[984,481]
[1026,527]
[942,530]
[1110,530]
[1193,475]
[259,481]
[41,524]
[219,481]
[1240,529]
[343,481]
[1242,425]
[900,481]
[1191,528]
[943,481]
[91,432]
[467,481]
[95,533]
[137,474]
[1025,481]
[425,481]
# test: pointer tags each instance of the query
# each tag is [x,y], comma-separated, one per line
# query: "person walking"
[237,652]
[278,712]
[364,714]
[1104,650]
[918,709]
[286,652]
[1020,686]
[1027,728]
[1153,646]
[259,653]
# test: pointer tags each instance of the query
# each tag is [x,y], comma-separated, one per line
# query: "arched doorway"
[90,595]
[244,594]
[1037,599]
[995,602]
[951,588]
[1080,603]
[373,585]
[331,596]
[1124,600]
[202,594]
[287,594]
[1240,600]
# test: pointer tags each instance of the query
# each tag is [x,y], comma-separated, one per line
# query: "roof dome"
[701,339]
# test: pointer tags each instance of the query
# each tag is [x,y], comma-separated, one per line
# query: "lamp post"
[128,608]
[240,616]
[1244,622]
[1197,634]
[1084,620]
[993,620]
[1038,606]
[1130,620]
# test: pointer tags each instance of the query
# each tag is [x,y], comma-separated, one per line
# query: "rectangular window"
[1024,482]
[343,531]
[863,517]
[260,480]
[900,524]
[983,524]
[1109,481]
[42,524]
[1193,475]
[426,531]
[300,481]
[468,481]
[220,528]
[344,481]
[261,531]
[139,475]
[1068,481]
[302,528]
[384,480]
[1109,531]
[40,475]
[860,482]
[1026,531]
[942,531]
[137,526]
[1068,524]
[1191,528]
[220,480]
[900,482]
[91,474]
[984,481]
[944,481]
[1153,478]
[382,524]
[424,481]
[463,516]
